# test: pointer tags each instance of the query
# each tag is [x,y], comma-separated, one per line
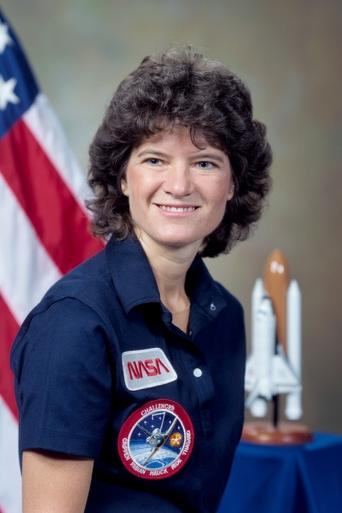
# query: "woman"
[129,372]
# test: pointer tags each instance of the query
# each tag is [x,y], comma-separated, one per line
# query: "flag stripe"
[10,481]
[26,270]
[45,198]
[9,328]
[45,126]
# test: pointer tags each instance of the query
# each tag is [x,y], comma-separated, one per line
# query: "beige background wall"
[289,54]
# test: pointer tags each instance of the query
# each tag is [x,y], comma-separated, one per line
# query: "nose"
[178,180]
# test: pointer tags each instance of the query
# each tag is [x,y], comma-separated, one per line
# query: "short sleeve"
[63,380]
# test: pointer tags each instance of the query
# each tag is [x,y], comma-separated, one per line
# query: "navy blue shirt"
[102,373]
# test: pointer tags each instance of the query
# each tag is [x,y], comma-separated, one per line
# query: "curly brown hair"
[183,87]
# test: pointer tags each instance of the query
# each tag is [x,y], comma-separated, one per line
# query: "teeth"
[176,209]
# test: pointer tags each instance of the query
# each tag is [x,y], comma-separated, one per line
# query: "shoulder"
[86,282]
[73,310]
[88,286]
[231,300]
[60,327]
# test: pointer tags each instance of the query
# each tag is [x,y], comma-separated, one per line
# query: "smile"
[175,209]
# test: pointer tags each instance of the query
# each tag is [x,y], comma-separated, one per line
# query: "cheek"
[142,184]
[220,194]
[218,188]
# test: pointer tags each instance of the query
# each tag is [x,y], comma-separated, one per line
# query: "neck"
[169,266]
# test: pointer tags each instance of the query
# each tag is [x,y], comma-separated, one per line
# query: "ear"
[124,187]
[230,192]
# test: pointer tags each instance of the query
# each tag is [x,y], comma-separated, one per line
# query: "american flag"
[43,225]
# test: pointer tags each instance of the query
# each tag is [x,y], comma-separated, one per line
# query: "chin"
[172,239]
[177,242]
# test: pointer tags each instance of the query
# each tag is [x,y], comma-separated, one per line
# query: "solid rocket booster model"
[274,366]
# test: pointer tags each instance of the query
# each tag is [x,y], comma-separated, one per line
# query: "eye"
[153,161]
[205,164]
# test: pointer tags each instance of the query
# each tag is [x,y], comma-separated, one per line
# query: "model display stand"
[274,366]
[285,433]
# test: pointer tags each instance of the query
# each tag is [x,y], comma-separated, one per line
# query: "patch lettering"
[146,368]
[156,440]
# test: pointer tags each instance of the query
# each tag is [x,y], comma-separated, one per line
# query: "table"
[286,479]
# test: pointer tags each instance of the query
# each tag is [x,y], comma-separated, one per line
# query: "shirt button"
[197,372]
[212,307]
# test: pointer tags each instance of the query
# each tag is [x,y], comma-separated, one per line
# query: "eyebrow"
[211,156]
[149,151]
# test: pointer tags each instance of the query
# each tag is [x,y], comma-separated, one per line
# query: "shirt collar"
[135,283]
[131,272]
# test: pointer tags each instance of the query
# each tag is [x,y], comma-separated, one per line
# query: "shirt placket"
[198,374]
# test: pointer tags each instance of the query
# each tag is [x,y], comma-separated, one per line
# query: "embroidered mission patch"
[146,368]
[156,440]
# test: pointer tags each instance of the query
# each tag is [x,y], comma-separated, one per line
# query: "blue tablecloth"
[286,479]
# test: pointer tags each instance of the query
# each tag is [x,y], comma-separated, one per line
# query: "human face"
[177,192]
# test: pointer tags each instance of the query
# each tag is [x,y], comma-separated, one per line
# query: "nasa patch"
[156,440]
[146,368]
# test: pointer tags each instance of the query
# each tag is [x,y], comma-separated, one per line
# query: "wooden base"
[286,433]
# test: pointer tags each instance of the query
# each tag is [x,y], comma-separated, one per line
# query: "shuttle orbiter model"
[274,365]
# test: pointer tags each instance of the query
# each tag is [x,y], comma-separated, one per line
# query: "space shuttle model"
[274,365]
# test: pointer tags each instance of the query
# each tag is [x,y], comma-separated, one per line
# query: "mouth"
[177,209]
